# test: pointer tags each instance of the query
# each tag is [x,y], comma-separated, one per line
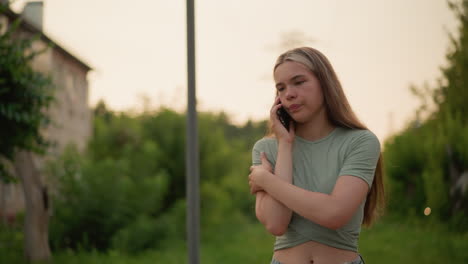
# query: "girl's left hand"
[258,173]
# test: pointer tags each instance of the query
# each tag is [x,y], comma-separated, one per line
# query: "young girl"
[327,176]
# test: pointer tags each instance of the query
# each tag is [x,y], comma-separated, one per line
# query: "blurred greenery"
[127,192]
[427,163]
[391,240]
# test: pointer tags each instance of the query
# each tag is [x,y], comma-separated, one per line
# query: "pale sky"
[377,47]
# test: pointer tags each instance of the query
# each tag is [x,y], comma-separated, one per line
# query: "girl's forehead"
[289,69]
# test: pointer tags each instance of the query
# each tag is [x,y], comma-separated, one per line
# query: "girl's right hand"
[281,133]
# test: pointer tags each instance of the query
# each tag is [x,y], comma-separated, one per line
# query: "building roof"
[33,29]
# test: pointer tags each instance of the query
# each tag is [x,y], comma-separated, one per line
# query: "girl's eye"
[299,82]
[280,89]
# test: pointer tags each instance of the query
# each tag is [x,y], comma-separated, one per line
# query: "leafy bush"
[127,192]
[95,200]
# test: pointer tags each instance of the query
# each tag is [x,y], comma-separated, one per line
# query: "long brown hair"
[340,114]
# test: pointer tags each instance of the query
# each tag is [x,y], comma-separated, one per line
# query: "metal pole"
[192,173]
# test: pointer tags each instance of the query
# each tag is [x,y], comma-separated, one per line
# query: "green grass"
[389,241]
[413,241]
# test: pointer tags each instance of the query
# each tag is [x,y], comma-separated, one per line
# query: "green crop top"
[316,167]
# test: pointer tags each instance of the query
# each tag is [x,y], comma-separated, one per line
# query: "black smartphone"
[284,117]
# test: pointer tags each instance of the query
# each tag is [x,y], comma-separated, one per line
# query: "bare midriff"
[314,252]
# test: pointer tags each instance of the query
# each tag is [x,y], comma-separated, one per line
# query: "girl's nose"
[290,94]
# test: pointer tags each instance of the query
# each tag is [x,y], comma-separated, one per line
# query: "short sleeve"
[361,157]
[257,149]
[267,145]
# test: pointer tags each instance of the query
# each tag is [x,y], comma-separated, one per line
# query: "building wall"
[70,114]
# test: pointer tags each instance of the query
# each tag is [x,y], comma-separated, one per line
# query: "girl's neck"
[315,129]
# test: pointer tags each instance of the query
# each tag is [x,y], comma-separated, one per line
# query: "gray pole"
[192,174]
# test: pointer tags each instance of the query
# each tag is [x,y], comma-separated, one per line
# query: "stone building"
[70,114]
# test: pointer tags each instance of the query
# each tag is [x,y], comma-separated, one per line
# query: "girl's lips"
[294,107]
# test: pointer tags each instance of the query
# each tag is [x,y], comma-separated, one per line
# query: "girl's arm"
[329,210]
[274,215]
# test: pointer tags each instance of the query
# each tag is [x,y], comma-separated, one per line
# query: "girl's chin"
[298,119]
[304,118]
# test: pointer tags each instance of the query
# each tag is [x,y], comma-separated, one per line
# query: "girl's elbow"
[276,229]
[334,225]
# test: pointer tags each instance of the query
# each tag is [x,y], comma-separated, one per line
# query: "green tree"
[427,163]
[24,95]
[128,191]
